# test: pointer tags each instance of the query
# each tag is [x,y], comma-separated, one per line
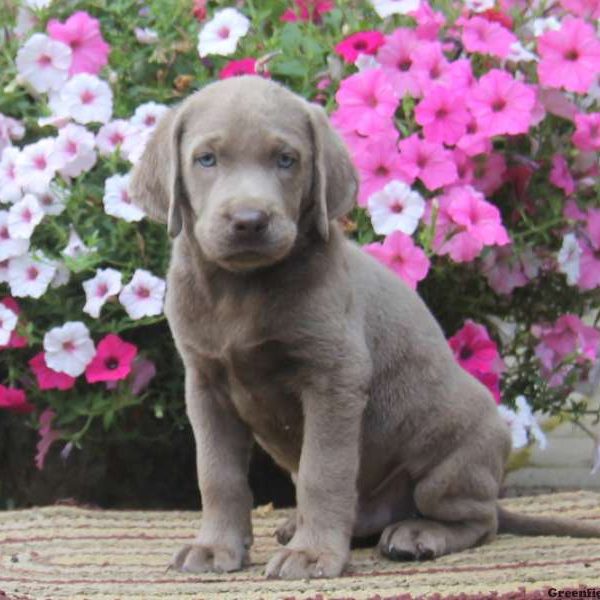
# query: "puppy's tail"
[509,522]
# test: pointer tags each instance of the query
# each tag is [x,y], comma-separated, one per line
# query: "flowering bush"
[474,126]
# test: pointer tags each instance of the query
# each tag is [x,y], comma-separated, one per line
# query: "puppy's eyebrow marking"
[212,139]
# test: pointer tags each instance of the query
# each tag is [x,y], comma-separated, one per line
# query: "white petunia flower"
[44,63]
[37,4]
[479,5]
[518,53]
[4,264]
[85,98]
[117,201]
[29,277]
[569,258]
[10,188]
[8,322]
[145,35]
[541,26]
[75,247]
[523,425]
[396,208]
[75,148]
[54,200]
[62,275]
[26,21]
[9,246]
[134,146]
[106,283]
[113,135]
[24,216]
[10,129]
[36,165]
[144,295]
[365,62]
[69,349]
[148,114]
[221,34]
[385,8]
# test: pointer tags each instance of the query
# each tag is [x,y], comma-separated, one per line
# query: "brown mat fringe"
[65,552]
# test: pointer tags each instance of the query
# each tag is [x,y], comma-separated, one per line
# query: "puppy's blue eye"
[208,159]
[285,161]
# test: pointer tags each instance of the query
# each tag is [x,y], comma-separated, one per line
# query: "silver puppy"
[294,337]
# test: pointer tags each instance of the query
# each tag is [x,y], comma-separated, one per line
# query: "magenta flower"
[570,56]
[589,264]
[443,115]
[366,97]
[395,58]
[486,37]
[242,66]
[399,253]
[47,378]
[307,10]
[428,161]
[489,174]
[505,270]
[113,360]
[587,132]
[474,349]
[465,224]
[82,33]
[14,400]
[379,164]
[501,104]
[560,175]
[363,42]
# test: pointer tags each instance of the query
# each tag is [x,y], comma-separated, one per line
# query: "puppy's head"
[246,166]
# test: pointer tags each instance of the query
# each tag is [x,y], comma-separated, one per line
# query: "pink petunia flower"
[443,114]
[379,164]
[362,42]
[307,10]
[587,9]
[506,270]
[486,37]
[395,58]
[465,223]
[560,175]
[567,338]
[429,22]
[569,57]
[113,360]
[489,173]
[587,132]
[47,378]
[590,257]
[501,104]
[428,161]
[14,400]
[430,66]
[366,97]
[399,253]
[474,349]
[82,34]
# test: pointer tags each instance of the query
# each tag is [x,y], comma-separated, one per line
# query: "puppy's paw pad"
[300,564]
[197,558]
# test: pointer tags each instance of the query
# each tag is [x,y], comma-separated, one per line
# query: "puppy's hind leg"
[458,511]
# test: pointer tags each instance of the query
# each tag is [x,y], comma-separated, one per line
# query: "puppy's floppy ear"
[335,181]
[156,185]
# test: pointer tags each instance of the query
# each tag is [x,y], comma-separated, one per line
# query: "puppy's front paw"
[302,564]
[413,539]
[285,532]
[202,558]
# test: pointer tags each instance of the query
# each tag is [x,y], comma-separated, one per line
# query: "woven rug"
[61,552]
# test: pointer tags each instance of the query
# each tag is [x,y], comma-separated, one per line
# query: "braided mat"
[63,552]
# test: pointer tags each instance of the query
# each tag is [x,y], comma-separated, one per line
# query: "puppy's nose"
[248,221]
